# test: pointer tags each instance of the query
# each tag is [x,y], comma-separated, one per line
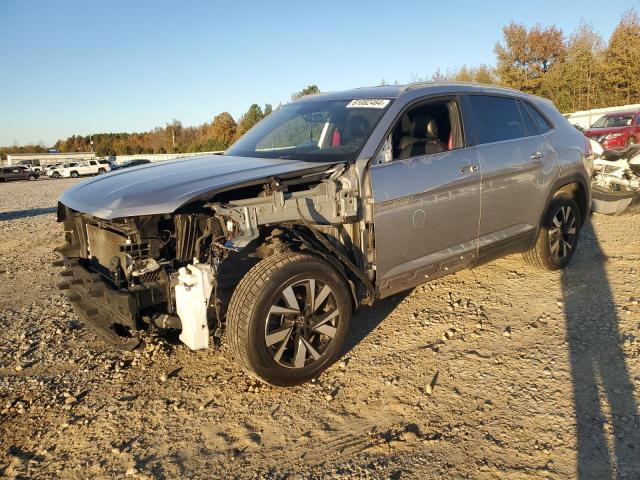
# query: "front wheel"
[31,178]
[74,175]
[558,236]
[101,171]
[288,318]
[55,175]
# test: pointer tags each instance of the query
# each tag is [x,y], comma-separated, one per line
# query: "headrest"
[432,129]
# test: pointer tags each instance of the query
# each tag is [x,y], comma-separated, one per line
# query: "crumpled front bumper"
[113,314]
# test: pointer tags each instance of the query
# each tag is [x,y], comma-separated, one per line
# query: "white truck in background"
[88,167]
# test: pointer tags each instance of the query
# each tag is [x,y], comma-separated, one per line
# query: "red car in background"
[616,130]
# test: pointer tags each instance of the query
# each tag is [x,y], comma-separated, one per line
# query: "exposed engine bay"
[178,270]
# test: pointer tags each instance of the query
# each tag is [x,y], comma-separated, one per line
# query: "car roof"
[615,114]
[426,88]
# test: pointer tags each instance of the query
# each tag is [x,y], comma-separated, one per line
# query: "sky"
[80,67]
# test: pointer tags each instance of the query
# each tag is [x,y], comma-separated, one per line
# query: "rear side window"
[494,119]
[541,123]
[529,125]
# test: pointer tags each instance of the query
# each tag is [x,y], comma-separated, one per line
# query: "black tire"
[31,178]
[250,318]
[55,175]
[101,171]
[555,244]
[74,174]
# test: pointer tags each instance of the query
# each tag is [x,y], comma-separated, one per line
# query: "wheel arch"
[577,187]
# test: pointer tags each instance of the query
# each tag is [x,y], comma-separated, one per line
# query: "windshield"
[612,121]
[323,130]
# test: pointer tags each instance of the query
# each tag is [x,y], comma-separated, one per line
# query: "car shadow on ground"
[368,318]
[32,212]
[608,440]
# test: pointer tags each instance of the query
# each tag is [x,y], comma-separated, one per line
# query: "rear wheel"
[558,236]
[101,171]
[288,318]
[31,178]
[55,175]
[74,174]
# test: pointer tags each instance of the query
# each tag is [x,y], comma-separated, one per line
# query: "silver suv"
[329,203]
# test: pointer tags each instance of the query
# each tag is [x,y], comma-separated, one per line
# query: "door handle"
[537,155]
[469,169]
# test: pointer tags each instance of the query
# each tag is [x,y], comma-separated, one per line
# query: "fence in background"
[159,157]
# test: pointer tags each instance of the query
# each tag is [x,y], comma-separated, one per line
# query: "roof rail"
[433,83]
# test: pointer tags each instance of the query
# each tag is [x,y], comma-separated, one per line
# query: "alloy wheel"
[563,233]
[301,323]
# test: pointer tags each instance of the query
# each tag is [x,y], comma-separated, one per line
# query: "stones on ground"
[448,335]
[507,332]
[428,388]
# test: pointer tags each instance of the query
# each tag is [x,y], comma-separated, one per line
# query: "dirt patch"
[499,372]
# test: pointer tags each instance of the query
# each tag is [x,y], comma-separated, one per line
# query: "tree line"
[577,72]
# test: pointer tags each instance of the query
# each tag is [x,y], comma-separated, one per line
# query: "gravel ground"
[502,372]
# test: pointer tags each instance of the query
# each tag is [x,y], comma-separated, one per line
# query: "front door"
[426,199]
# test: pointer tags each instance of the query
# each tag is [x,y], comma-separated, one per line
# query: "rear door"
[512,153]
[84,168]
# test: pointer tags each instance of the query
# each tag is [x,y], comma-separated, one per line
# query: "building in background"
[48,158]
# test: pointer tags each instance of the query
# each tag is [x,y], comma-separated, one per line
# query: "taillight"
[587,147]
[587,159]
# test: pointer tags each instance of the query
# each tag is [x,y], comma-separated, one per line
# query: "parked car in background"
[616,130]
[88,167]
[33,165]
[130,163]
[54,172]
[50,168]
[17,172]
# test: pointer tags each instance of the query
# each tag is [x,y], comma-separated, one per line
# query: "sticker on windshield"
[368,103]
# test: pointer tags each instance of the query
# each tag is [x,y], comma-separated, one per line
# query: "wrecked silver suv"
[329,203]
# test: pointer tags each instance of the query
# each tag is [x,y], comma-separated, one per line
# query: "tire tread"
[243,301]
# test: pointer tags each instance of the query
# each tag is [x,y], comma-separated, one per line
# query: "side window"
[427,128]
[530,126]
[494,119]
[543,125]
[92,162]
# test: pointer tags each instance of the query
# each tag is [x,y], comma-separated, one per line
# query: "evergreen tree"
[622,61]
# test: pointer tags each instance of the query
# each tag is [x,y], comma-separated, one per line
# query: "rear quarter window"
[493,119]
[540,121]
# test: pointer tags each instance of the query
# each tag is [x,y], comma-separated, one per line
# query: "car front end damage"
[178,270]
